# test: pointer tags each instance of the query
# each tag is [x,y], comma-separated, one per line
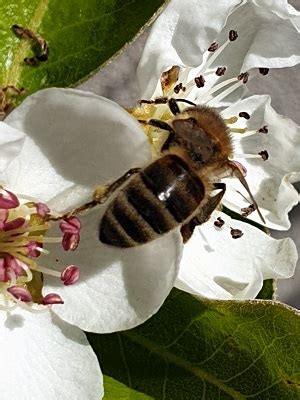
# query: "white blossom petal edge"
[209,269]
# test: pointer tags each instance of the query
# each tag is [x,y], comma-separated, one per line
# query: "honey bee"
[177,188]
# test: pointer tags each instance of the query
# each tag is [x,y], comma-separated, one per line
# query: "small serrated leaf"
[81,36]
[207,350]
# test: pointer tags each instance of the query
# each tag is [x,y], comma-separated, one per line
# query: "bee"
[177,189]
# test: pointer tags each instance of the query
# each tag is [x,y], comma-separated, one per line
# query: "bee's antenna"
[238,174]
[186,101]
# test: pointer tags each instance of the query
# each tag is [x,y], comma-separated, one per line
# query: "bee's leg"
[103,192]
[157,123]
[172,103]
[204,213]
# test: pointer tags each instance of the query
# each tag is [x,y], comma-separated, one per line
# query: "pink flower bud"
[8,200]
[52,298]
[70,275]
[20,293]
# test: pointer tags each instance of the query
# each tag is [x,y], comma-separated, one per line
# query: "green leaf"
[81,34]
[117,390]
[268,290]
[193,350]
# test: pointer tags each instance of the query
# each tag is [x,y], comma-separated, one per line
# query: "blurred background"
[117,81]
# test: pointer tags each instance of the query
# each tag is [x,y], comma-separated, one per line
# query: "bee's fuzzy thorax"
[212,123]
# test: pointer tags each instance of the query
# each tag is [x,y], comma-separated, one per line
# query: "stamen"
[231,120]
[213,47]
[245,155]
[247,210]
[221,71]
[199,81]
[219,222]
[179,87]
[20,293]
[238,130]
[243,131]
[264,129]
[8,200]
[226,92]
[244,76]
[52,298]
[244,114]
[264,71]
[70,275]
[236,233]
[264,155]
[233,35]
[22,239]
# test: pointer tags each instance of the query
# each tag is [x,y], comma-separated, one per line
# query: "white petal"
[180,36]
[43,357]
[11,143]
[271,180]
[280,7]
[184,31]
[75,140]
[118,288]
[215,265]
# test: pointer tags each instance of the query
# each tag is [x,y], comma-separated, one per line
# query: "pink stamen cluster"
[23,230]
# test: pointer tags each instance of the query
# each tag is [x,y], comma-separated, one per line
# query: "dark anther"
[243,77]
[264,129]
[264,71]
[233,35]
[236,233]
[247,210]
[213,47]
[244,114]
[200,81]
[179,87]
[219,222]
[220,71]
[264,155]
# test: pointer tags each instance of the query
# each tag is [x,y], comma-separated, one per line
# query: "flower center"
[23,239]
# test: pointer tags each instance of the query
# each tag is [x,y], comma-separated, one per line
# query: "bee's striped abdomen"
[155,201]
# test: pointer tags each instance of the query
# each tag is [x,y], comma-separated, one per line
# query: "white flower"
[184,58]
[55,148]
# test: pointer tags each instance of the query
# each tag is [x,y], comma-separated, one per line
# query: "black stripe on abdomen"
[154,202]
[149,207]
[175,185]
